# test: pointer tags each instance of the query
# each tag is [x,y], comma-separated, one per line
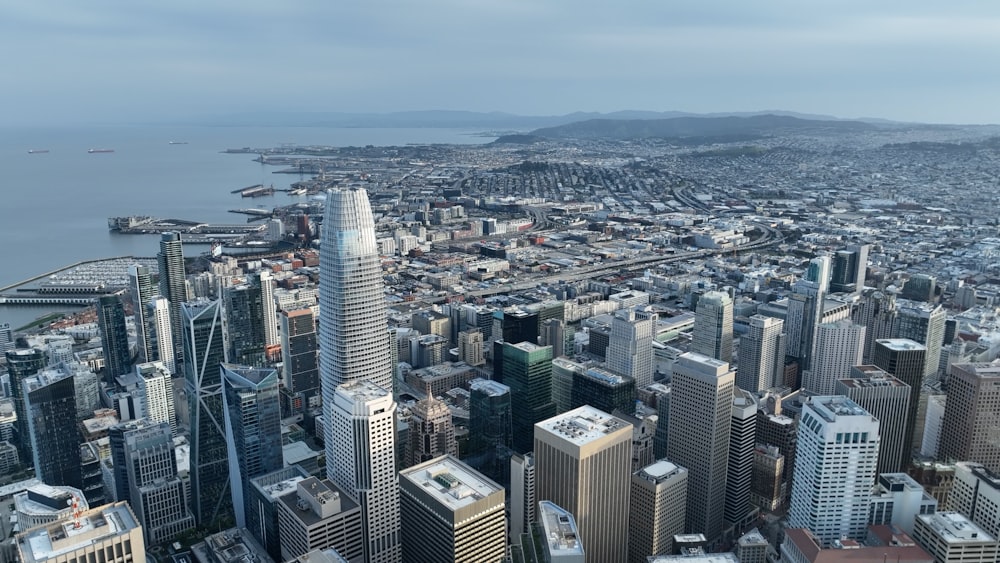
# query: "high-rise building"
[583,463]
[839,346]
[354,335]
[951,537]
[887,399]
[161,333]
[920,287]
[849,268]
[170,262]
[114,337]
[253,428]
[158,389]
[264,280]
[834,472]
[555,538]
[876,310]
[701,406]
[923,323]
[762,355]
[262,505]
[897,499]
[109,533]
[976,493]
[523,502]
[630,347]
[563,372]
[140,291]
[767,488]
[50,407]
[451,512]
[904,359]
[969,428]
[204,352]
[657,508]
[318,515]
[431,433]
[21,364]
[361,460]
[42,504]
[739,476]
[527,371]
[145,471]
[470,347]
[299,351]
[603,390]
[490,434]
[6,338]
[713,326]
[243,325]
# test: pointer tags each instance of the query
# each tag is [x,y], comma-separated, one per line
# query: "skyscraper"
[146,476]
[264,280]
[243,325]
[713,326]
[361,460]
[523,502]
[253,428]
[887,399]
[354,330]
[114,337]
[849,266]
[603,390]
[920,287]
[834,469]
[630,347]
[50,403]
[876,310]
[490,435]
[161,333]
[527,371]
[22,364]
[583,464]
[923,323]
[170,261]
[698,436]
[158,390]
[431,433]
[451,512]
[657,508]
[140,288]
[299,352]
[839,346]
[762,354]
[739,476]
[905,360]
[204,352]
[969,429]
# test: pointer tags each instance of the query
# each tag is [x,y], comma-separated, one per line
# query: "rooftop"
[450,482]
[953,527]
[833,406]
[900,344]
[489,387]
[52,540]
[660,470]
[583,425]
[559,529]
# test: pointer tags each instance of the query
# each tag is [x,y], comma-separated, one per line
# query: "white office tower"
[451,512]
[361,460]
[353,328]
[898,499]
[271,337]
[161,332]
[658,503]
[713,326]
[835,461]
[522,495]
[839,347]
[630,347]
[762,354]
[701,408]
[583,464]
[159,391]
[975,492]
[739,477]
[141,290]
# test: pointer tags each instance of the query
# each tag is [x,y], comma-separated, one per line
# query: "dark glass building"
[114,337]
[244,316]
[22,364]
[50,402]
[604,390]
[527,371]
[490,433]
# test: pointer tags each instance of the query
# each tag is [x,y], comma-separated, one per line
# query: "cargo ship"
[92,151]
[37,151]
[177,142]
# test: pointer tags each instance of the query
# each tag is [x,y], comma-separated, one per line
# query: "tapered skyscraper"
[353,328]
[172,275]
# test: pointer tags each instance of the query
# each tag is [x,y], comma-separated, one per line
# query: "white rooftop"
[953,527]
[52,540]
[583,425]
[560,530]
[450,482]
[660,469]
[900,344]
[282,488]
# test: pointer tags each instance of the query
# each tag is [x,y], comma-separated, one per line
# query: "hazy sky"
[115,61]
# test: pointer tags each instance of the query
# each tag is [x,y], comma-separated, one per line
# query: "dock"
[256,190]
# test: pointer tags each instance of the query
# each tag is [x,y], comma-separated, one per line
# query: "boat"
[92,151]
[37,151]
[177,142]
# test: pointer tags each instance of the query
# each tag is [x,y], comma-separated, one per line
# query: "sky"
[118,61]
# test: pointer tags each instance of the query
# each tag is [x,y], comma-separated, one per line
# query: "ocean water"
[54,206]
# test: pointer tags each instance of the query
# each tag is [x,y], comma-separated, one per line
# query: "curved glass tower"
[353,328]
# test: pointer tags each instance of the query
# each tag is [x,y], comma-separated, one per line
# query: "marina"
[77,284]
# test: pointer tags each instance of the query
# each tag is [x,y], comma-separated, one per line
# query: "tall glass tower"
[140,286]
[171,265]
[353,328]
[114,337]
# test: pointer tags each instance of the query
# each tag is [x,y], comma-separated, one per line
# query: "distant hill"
[704,128]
